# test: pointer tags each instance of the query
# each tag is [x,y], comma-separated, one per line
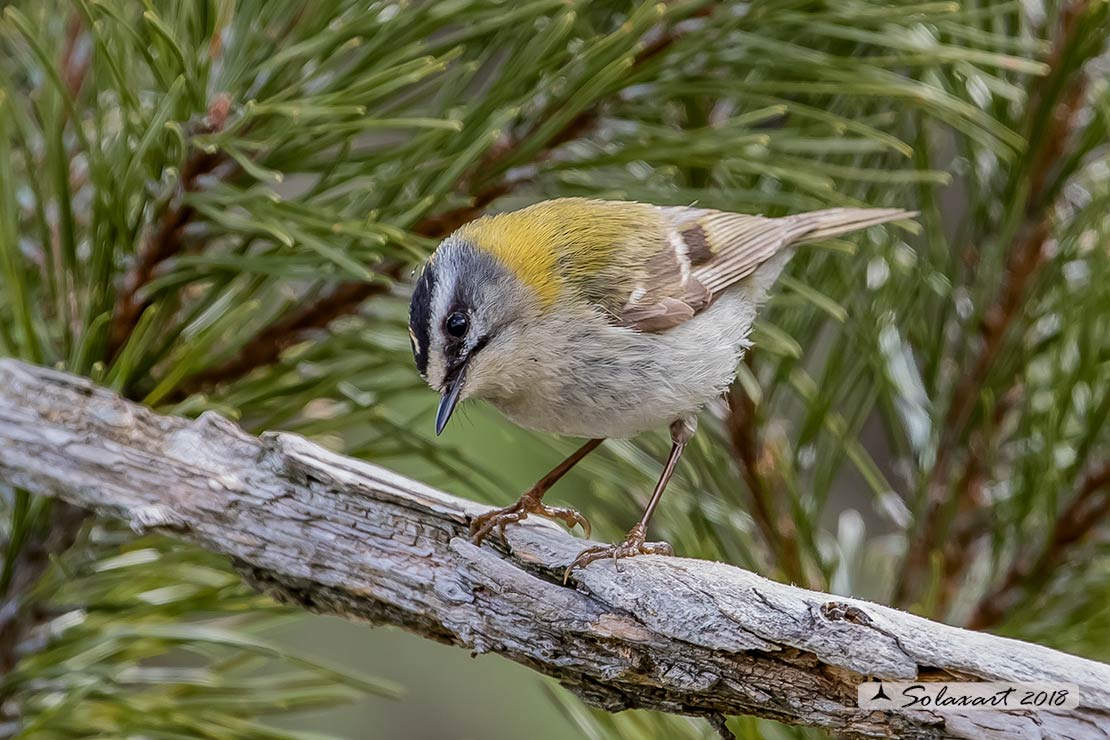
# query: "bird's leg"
[531,502]
[635,541]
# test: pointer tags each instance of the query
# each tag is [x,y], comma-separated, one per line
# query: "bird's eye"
[457,324]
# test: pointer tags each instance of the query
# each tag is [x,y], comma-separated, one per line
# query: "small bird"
[601,319]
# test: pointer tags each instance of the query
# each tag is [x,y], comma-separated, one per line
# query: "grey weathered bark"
[340,536]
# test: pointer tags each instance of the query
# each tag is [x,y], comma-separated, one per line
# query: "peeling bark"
[338,536]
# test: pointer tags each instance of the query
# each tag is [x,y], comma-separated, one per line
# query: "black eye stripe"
[461,271]
[459,360]
[420,317]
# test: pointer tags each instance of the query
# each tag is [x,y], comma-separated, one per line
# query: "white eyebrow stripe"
[678,244]
[416,346]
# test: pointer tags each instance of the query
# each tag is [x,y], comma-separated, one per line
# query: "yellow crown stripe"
[566,242]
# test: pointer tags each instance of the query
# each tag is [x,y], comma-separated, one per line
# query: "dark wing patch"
[739,245]
[420,317]
[697,244]
[706,251]
[668,294]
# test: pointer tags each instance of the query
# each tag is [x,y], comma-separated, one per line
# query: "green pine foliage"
[216,204]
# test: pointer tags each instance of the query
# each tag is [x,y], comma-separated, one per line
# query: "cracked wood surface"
[339,536]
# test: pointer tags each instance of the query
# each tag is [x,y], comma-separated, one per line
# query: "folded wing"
[713,250]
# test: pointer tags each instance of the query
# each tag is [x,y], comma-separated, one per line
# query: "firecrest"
[597,319]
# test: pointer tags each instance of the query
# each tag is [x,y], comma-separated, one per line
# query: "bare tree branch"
[339,536]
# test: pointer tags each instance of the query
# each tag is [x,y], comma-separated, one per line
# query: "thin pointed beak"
[449,401]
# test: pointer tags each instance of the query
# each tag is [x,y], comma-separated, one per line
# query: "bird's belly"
[620,383]
[616,416]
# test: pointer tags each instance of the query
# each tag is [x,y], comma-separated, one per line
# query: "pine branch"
[1027,255]
[778,532]
[972,521]
[75,67]
[346,298]
[20,615]
[166,238]
[1089,507]
[343,300]
[339,536]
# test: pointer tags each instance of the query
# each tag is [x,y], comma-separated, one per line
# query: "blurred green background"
[448,693]
[217,205]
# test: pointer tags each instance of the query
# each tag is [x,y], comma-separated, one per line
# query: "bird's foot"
[529,503]
[634,544]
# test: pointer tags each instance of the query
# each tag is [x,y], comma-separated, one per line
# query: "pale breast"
[617,382]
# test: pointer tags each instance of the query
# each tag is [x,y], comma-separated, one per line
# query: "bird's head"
[468,324]
[498,297]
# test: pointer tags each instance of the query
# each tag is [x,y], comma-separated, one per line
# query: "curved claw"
[568,516]
[484,523]
[529,503]
[632,546]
